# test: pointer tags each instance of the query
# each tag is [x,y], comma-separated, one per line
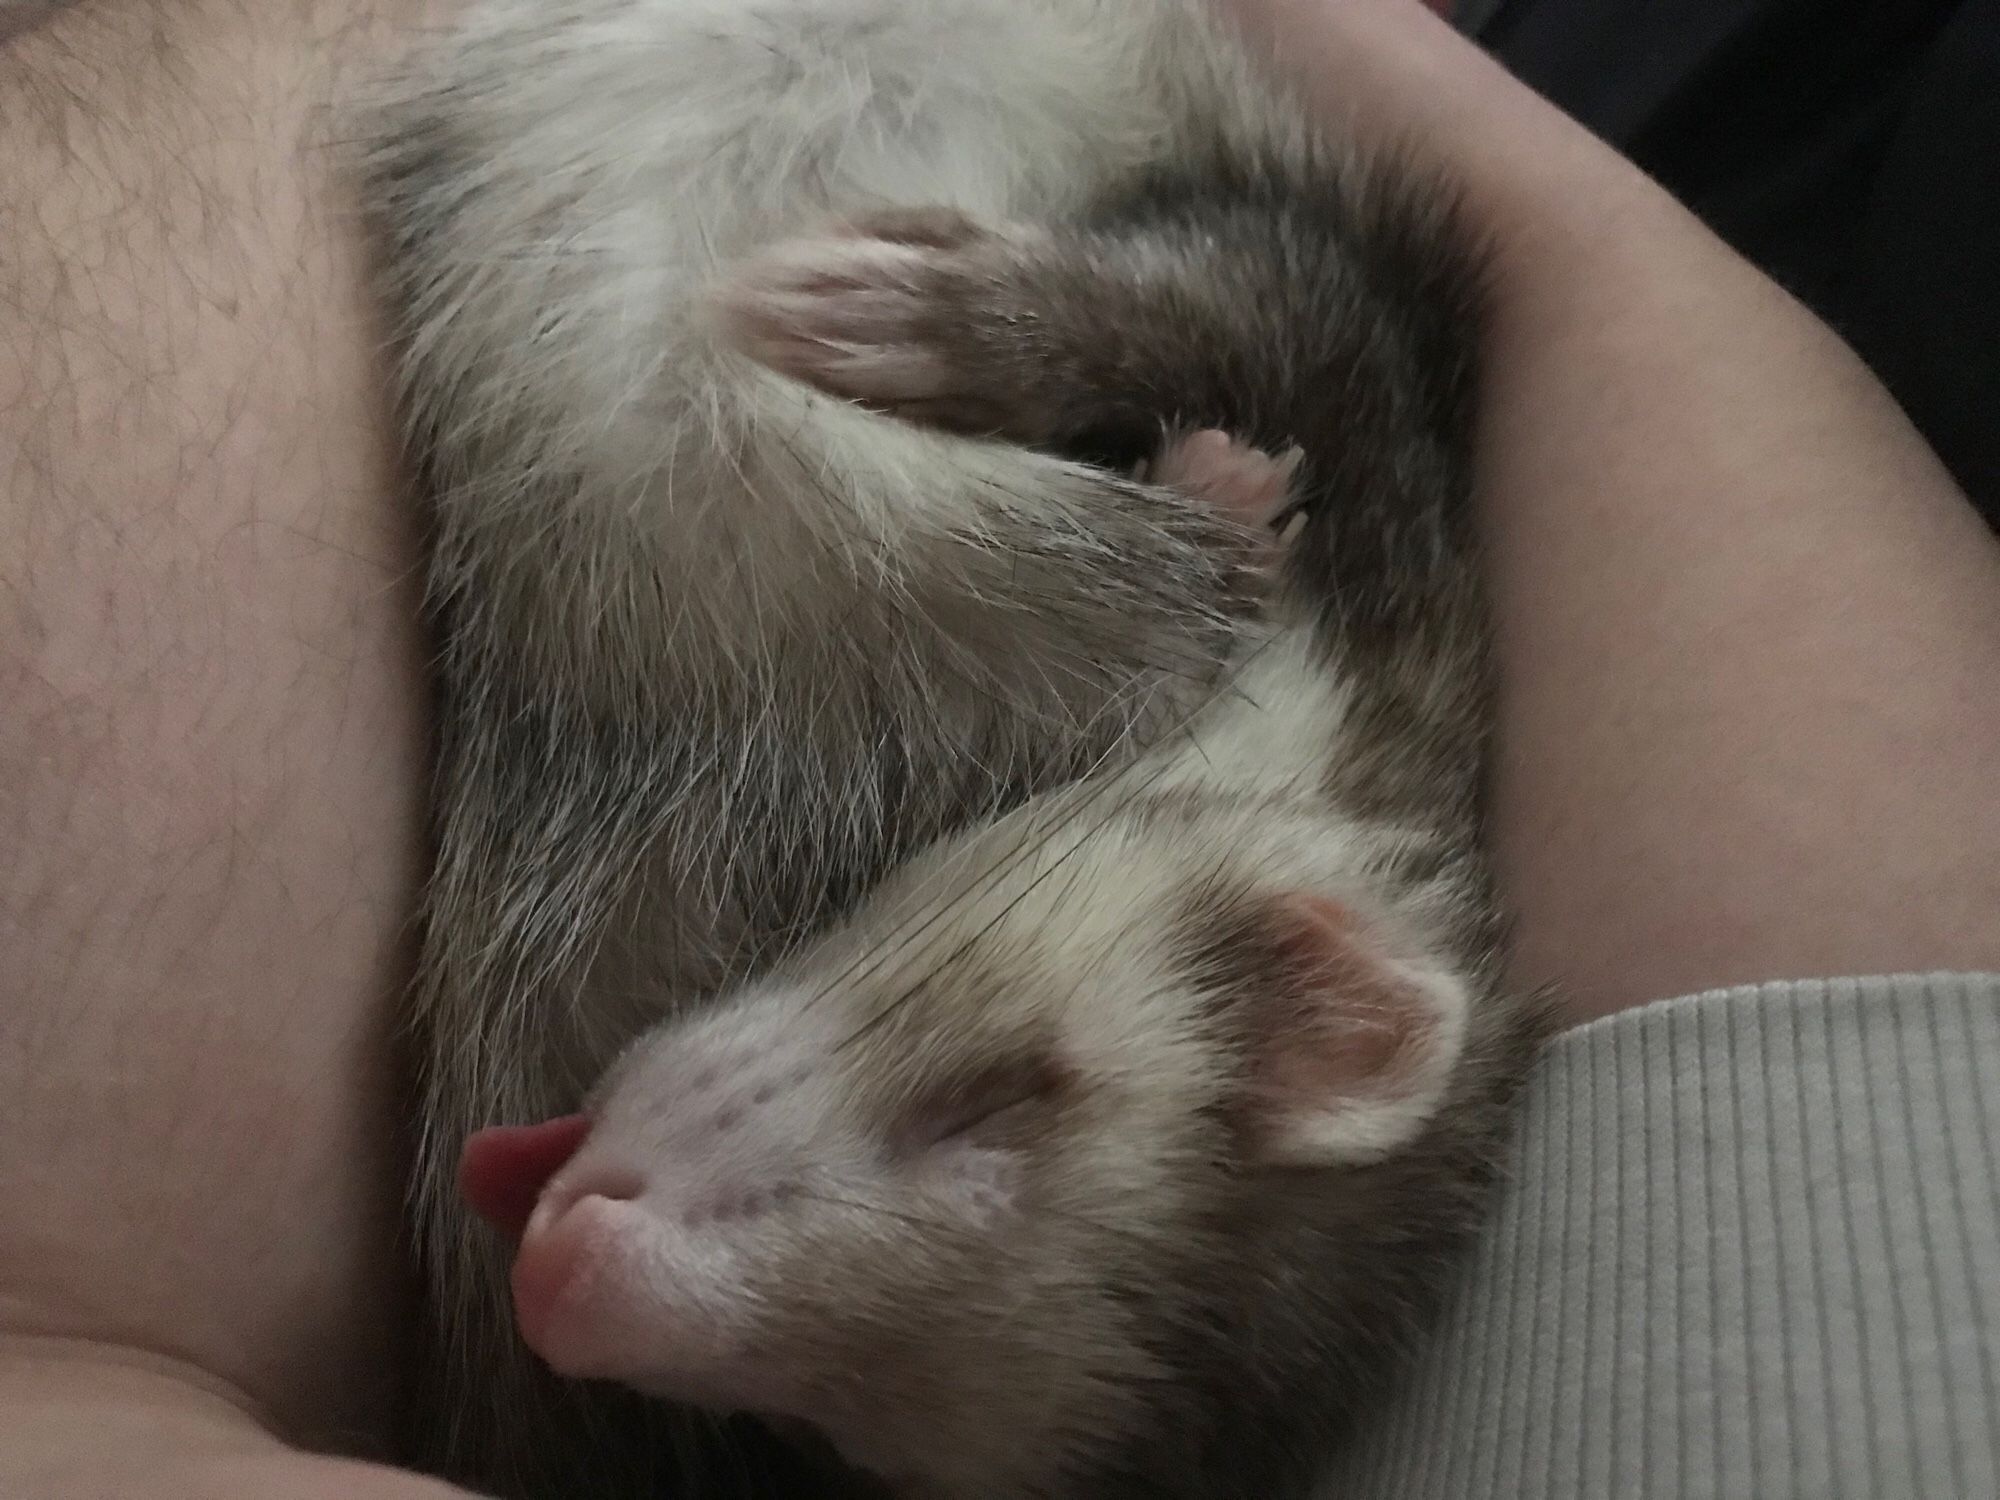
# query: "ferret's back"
[661,139]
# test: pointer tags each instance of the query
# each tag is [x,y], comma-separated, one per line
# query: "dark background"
[1850,148]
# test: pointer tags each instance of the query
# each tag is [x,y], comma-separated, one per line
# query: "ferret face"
[954,1204]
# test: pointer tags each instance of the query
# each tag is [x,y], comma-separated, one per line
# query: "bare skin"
[210,753]
[1751,639]
[1750,629]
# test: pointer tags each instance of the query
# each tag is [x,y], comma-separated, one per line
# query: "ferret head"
[994,1210]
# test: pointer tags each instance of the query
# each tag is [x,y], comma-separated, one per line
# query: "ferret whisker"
[923,920]
[1132,788]
[958,1226]
[929,1223]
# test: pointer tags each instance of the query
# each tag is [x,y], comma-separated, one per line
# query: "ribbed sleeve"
[1751,1249]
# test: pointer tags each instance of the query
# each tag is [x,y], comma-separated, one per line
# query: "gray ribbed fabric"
[1752,1250]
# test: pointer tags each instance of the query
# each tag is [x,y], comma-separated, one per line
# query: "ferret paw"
[1214,467]
[877,312]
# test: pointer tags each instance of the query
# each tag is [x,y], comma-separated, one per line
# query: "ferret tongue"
[503,1169]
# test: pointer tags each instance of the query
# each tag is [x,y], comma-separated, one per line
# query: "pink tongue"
[505,1167]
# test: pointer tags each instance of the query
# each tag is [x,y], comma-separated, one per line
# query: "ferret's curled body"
[722,648]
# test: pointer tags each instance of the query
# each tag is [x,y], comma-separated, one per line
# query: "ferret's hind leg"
[875,312]
[927,315]
[1098,342]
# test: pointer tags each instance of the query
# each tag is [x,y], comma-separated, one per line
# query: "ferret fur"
[719,650]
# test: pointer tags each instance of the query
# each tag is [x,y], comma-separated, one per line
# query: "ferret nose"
[580,1180]
[614,1274]
[645,1287]
[576,1233]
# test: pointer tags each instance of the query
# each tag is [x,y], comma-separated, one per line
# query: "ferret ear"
[1353,1037]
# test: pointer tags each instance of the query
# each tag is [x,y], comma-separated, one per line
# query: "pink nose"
[605,1289]
[570,1281]
[503,1170]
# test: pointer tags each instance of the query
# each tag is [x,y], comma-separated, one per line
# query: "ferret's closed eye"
[978,1101]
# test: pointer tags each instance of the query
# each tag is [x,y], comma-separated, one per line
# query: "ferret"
[996,941]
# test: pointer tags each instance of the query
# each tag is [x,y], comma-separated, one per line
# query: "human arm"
[1749,629]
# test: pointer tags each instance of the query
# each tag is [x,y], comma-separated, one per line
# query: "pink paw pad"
[1233,476]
